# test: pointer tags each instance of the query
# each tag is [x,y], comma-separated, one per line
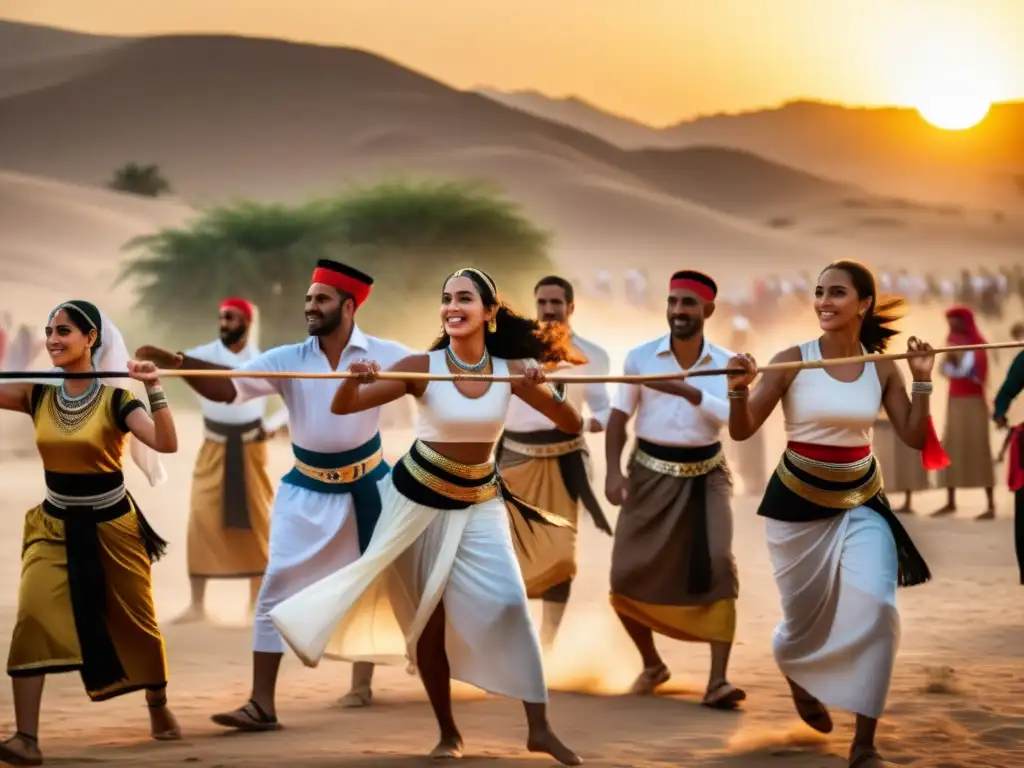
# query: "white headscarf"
[114,356]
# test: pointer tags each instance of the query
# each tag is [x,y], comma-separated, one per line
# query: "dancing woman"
[439,584]
[85,601]
[837,549]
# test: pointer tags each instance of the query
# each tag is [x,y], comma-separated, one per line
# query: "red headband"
[693,286]
[240,305]
[359,290]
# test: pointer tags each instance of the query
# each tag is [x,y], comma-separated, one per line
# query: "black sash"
[699,572]
[235,502]
[572,467]
[782,503]
[416,492]
[87,581]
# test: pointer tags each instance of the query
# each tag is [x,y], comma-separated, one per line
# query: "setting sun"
[953,108]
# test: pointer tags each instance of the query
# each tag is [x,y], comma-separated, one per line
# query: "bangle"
[738,394]
[157,400]
[921,388]
[558,392]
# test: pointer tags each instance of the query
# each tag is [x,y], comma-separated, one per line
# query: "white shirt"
[523,417]
[671,419]
[962,370]
[308,401]
[229,413]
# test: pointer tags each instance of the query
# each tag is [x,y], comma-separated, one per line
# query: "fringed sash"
[816,482]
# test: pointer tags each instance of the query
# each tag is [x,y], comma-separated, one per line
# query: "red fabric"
[241,305]
[831,454]
[1015,468]
[975,385]
[693,286]
[359,290]
[933,455]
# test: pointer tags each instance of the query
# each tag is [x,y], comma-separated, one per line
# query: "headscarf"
[969,335]
[113,356]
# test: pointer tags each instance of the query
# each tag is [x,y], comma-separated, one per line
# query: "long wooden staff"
[555,378]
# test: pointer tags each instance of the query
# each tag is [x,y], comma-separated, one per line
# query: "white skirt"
[840,627]
[376,608]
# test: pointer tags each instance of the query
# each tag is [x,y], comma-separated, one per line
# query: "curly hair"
[875,330]
[516,337]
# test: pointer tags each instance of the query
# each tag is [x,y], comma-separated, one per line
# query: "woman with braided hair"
[439,585]
[85,602]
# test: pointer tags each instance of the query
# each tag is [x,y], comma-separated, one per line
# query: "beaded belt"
[475,494]
[679,468]
[547,450]
[341,475]
[95,501]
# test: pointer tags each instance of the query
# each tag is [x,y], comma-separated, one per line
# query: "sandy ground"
[957,698]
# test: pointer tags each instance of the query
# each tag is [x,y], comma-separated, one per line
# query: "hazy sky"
[656,60]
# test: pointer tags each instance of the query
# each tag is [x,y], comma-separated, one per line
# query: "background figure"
[966,438]
[902,471]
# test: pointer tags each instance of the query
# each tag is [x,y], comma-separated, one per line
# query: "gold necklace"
[70,413]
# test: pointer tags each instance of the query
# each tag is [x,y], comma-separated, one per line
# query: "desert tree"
[143,180]
[407,235]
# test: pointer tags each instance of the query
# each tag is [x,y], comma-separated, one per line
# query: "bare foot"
[988,514]
[650,679]
[448,748]
[949,509]
[190,615]
[356,698]
[21,749]
[546,742]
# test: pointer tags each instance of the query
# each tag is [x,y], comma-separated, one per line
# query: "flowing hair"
[875,329]
[516,337]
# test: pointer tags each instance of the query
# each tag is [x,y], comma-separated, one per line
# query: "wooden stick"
[554,378]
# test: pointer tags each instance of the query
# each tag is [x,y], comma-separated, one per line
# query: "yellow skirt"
[214,550]
[548,555]
[45,638]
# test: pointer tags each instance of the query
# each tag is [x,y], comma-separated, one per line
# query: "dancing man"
[229,521]
[549,468]
[440,585]
[837,549]
[326,508]
[1008,392]
[672,566]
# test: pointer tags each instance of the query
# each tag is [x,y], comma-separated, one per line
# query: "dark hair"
[559,282]
[516,337]
[874,330]
[85,316]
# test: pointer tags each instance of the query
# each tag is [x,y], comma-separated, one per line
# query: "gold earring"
[492,324]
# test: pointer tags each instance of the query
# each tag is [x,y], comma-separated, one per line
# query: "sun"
[953,106]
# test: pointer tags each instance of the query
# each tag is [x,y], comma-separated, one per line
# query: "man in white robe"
[327,505]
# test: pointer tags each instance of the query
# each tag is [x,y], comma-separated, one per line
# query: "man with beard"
[672,566]
[327,505]
[229,521]
[549,468]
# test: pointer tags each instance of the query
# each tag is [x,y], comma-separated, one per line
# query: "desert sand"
[72,109]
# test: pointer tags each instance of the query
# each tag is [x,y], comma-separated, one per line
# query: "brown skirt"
[215,550]
[967,441]
[548,554]
[651,552]
[901,467]
[45,638]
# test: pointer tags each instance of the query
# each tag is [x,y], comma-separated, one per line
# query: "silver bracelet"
[922,387]
[558,392]
[157,400]
[738,394]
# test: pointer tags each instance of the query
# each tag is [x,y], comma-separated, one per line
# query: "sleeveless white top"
[445,415]
[823,411]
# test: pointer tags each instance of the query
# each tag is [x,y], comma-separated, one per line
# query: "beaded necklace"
[70,412]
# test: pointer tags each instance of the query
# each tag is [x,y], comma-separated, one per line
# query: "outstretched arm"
[542,397]
[16,397]
[366,391]
[217,390]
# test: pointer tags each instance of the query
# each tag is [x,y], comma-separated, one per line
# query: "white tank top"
[445,415]
[823,411]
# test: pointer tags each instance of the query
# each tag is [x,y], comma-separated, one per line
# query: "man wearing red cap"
[672,566]
[229,520]
[327,505]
